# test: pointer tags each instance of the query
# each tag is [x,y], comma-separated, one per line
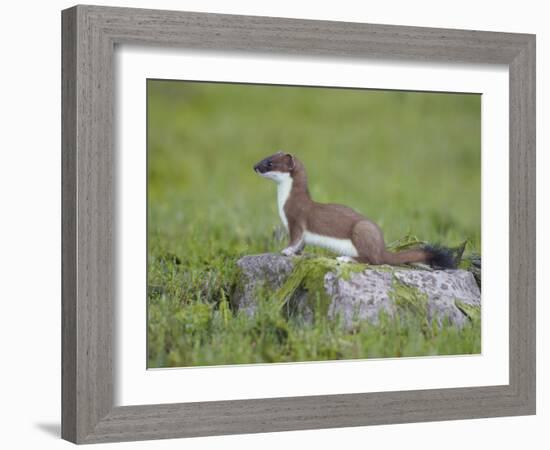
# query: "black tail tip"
[444,257]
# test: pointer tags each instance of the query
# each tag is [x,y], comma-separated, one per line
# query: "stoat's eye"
[269,164]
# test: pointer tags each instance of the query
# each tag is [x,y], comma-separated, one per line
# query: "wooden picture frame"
[90,34]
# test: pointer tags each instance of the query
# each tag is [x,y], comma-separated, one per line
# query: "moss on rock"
[472,311]
[409,300]
[309,274]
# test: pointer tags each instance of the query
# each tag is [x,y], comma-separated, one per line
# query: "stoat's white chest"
[284,186]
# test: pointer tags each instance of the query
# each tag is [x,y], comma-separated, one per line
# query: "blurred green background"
[409,161]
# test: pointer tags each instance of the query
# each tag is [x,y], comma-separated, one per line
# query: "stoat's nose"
[257,168]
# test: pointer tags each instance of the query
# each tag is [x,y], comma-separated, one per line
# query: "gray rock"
[269,270]
[361,295]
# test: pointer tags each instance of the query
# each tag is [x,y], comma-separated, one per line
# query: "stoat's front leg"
[297,242]
[293,249]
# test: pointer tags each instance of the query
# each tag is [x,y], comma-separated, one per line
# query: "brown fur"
[331,220]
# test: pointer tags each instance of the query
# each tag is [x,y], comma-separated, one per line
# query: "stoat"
[335,227]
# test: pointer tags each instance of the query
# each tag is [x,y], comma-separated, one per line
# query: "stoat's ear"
[290,161]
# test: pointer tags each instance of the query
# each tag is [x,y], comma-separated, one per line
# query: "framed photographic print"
[278,224]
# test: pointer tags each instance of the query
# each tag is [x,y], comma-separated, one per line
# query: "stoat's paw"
[288,251]
[344,259]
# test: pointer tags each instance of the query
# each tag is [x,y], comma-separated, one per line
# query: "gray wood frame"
[89,37]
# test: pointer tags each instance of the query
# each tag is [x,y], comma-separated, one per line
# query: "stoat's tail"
[436,256]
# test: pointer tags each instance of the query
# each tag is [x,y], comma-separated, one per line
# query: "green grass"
[409,161]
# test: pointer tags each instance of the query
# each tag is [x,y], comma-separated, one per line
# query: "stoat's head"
[277,167]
